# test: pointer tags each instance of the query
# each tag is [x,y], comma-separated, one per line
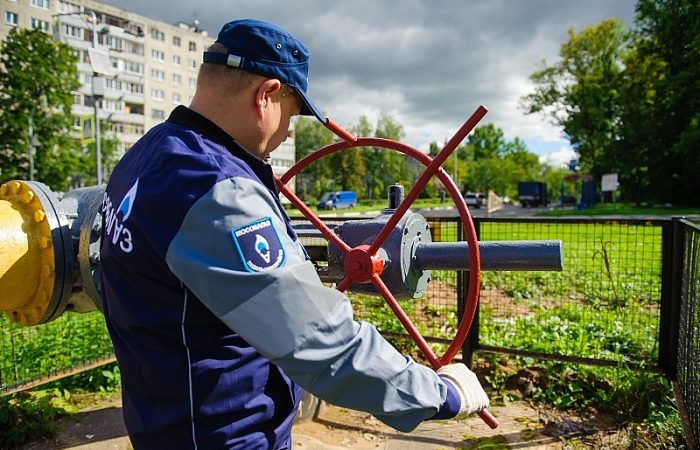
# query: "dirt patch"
[100,427]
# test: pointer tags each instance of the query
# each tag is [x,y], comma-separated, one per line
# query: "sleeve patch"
[259,246]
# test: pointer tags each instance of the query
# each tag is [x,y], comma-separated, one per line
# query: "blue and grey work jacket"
[214,309]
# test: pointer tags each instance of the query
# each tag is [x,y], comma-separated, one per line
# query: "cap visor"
[308,108]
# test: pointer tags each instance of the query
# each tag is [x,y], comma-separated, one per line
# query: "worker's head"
[253,79]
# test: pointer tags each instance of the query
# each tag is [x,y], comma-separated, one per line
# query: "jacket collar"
[188,118]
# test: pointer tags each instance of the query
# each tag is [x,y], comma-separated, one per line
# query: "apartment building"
[153,64]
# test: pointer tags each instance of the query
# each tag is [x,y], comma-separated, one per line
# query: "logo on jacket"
[113,220]
[262,247]
[259,246]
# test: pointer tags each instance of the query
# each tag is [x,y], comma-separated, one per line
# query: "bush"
[28,415]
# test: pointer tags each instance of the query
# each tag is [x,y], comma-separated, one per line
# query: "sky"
[427,63]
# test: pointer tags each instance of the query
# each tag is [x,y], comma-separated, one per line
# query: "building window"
[192,82]
[40,24]
[176,41]
[43,4]
[157,114]
[158,55]
[11,18]
[176,60]
[157,34]
[177,98]
[133,67]
[77,99]
[193,46]
[192,64]
[117,64]
[67,7]
[157,74]
[157,94]
[136,49]
[71,31]
[177,79]
[113,105]
[136,88]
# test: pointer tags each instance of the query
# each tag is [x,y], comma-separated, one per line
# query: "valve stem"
[395,197]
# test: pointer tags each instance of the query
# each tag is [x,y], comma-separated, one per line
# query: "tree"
[394,165]
[580,92]
[669,54]
[487,141]
[37,81]
[309,136]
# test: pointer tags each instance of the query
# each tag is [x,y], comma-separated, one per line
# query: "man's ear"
[263,95]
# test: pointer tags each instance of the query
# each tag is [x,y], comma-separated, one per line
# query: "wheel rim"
[370,270]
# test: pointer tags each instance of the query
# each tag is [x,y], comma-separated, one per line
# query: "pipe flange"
[27,284]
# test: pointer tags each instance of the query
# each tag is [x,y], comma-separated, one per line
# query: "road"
[506,211]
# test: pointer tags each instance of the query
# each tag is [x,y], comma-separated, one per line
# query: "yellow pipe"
[27,263]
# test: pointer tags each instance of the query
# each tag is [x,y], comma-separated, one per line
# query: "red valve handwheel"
[362,263]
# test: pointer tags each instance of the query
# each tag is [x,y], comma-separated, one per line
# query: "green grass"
[624,209]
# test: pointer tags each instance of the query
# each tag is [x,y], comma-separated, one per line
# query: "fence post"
[471,343]
[671,278]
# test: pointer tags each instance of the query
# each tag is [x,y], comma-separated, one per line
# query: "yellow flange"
[27,263]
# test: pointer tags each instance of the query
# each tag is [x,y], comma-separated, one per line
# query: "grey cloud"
[439,59]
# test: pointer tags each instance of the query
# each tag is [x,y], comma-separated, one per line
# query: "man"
[217,317]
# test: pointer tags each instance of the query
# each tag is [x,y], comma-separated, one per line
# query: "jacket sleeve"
[279,305]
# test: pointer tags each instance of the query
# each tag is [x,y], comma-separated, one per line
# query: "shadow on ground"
[522,427]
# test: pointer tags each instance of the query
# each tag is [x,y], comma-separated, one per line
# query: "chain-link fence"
[687,383]
[31,356]
[628,293]
[603,308]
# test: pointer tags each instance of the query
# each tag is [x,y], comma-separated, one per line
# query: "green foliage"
[580,91]
[37,79]
[29,415]
[311,135]
[70,340]
[367,171]
[103,379]
[635,397]
[668,65]
[486,161]
[627,100]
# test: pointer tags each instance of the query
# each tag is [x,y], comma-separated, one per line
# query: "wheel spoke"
[429,171]
[313,218]
[406,322]
[343,285]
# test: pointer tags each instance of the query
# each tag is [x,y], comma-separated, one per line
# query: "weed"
[28,415]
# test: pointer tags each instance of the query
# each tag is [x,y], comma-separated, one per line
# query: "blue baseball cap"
[266,49]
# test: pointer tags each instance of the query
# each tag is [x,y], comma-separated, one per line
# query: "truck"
[532,193]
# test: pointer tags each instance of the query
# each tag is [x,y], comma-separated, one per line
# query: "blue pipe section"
[495,255]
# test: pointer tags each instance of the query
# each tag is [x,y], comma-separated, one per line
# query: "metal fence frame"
[679,314]
[684,363]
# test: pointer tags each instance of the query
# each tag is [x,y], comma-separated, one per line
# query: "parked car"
[338,200]
[474,199]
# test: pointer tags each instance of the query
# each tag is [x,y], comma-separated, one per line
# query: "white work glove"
[472,395]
